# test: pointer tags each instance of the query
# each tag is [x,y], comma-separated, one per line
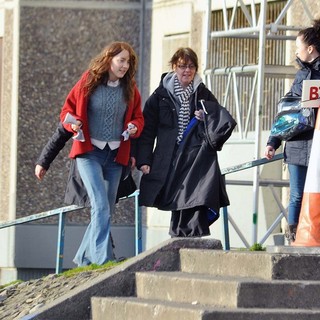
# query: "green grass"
[257,247]
[75,271]
[91,267]
[10,284]
[254,247]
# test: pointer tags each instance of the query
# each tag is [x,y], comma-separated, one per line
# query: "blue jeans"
[297,179]
[101,176]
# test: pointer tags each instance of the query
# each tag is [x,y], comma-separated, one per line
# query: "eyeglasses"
[186,66]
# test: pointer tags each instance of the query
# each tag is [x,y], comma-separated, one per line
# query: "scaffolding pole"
[259,104]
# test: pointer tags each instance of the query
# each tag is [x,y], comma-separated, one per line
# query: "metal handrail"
[251,164]
[61,226]
[138,222]
[39,216]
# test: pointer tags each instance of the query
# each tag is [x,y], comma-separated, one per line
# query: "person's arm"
[73,105]
[51,150]
[145,143]
[296,86]
[136,118]
[272,145]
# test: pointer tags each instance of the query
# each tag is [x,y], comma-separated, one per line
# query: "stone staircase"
[193,279]
[214,284]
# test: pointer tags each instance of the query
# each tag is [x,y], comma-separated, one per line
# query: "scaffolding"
[256,28]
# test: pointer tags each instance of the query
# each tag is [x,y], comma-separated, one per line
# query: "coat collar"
[166,84]
[315,64]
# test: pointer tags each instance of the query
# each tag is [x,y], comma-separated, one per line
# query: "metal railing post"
[60,242]
[138,224]
[226,228]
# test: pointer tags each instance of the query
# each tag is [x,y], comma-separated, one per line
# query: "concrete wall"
[46,47]
[8,136]
[36,245]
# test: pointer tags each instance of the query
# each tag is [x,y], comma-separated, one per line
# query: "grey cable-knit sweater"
[106,111]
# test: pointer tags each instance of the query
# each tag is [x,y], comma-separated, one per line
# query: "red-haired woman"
[105,102]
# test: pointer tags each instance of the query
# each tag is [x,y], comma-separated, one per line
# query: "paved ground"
[17,301]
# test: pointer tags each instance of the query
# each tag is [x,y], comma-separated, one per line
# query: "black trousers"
[191,222]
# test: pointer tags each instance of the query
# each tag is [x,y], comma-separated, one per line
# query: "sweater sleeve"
[274,142]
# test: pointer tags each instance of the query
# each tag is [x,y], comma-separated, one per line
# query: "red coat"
[76,104]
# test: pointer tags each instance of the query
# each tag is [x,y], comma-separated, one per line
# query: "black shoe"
[290,233]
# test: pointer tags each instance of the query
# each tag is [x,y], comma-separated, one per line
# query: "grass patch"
[75,271]
[91,267]
[10,284]
[257,247]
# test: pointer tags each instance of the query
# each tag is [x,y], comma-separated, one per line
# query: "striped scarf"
[184,111]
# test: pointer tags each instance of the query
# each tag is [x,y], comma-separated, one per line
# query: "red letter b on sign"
[313,93]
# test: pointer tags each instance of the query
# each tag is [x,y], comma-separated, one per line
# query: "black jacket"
[195,178]
[297,150]
[157,143]
[55,144]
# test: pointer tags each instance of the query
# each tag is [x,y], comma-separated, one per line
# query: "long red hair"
[100,65]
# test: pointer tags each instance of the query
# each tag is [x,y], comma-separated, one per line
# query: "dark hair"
[184,55]
[100,65]
[311,35]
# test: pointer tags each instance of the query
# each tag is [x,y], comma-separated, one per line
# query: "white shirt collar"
[113,83]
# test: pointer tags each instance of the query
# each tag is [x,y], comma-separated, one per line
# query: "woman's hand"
[199,114]
[39,171]
[269,152]
[76,127]
[145,169]
[133,162]
[132,129]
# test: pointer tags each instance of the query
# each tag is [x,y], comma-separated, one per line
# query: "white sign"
[310,94]
[72,120]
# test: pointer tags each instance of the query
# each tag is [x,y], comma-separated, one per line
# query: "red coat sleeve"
[135,115]
[74,103]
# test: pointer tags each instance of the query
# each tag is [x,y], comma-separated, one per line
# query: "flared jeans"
[101,176]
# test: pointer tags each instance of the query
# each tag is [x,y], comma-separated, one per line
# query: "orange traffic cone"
[308,231]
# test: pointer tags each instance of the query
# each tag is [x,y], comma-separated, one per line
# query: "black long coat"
[195,178]
[157,143]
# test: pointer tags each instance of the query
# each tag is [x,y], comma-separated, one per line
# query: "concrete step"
[112,308]
[232,292]
[254,264]
[215,284]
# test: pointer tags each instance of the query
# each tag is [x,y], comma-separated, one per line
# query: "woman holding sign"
[297,149]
